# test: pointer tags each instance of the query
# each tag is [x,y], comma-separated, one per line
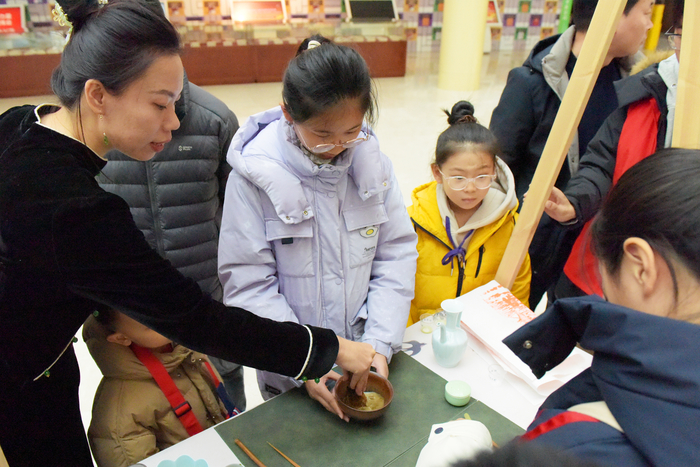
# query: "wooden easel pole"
[3,461]
[588,65]
[686,126]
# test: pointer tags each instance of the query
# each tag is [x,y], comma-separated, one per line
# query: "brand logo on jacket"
[184,148]
[370,231]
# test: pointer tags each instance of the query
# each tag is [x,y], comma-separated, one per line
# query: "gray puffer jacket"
[176,198]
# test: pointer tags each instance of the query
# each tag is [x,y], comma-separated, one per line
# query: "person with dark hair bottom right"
[517,454]
[638,404]
[67,247]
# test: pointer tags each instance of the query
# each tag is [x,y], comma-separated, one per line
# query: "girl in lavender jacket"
[315,229]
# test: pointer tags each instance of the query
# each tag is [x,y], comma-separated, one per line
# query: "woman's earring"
[104,135]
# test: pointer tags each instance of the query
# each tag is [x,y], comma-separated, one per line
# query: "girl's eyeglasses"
[459,183]
[321,148]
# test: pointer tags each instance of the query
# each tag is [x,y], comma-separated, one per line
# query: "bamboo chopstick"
[282,454]
[248,453]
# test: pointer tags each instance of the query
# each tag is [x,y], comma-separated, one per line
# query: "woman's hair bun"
[78,11]
[462,112]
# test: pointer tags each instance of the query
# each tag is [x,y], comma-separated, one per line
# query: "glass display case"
[225,41]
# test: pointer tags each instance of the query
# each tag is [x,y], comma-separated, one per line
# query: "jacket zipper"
[482,249]
[460,265]
[157,218]
[47,371]
[460,278]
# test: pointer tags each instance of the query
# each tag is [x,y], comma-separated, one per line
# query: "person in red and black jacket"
[642,125]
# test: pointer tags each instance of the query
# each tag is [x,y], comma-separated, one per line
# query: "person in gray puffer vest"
[176,198]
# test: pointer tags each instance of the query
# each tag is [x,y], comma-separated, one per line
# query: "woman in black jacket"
[69,248]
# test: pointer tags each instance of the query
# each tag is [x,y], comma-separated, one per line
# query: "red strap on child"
[180,406]
[212,374]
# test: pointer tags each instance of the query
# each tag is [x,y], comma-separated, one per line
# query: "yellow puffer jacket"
[435,282]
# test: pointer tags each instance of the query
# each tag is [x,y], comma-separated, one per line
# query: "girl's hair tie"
[312,44]
[467,119]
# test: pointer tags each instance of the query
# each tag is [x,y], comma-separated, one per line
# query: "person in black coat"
[642,125]
[523,118]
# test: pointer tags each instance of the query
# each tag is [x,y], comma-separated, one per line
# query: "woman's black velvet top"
[71,248]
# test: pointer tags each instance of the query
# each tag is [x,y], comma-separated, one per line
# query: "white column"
[462,44]
[686,126]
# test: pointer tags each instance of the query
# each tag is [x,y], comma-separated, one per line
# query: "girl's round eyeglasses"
[321,148]
[459,183]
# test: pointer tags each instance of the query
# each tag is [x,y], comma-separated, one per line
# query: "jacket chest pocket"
[292,244]
[363,224]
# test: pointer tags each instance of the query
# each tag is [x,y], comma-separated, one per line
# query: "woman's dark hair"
[319,78]
[582,12]
[114,44]
[464,132]
[657,200]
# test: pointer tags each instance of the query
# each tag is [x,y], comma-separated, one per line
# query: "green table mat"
[311,436]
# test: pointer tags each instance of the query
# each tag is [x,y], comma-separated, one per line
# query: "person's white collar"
[668,70]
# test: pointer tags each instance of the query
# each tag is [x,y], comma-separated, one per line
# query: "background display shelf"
[215,54]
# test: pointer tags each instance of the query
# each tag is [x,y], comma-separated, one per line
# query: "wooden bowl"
[375,383]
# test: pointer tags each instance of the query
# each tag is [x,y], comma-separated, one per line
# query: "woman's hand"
[355,358]
[320,392]
[558,207]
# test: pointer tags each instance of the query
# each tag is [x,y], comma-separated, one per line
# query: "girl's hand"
[355,358]
[381,365]
[320,392]
[558,207]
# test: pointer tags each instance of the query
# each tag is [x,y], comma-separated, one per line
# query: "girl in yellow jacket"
[465,217]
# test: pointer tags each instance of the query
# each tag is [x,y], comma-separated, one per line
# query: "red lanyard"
[180,406]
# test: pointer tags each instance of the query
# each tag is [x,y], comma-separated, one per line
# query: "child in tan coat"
[132,418]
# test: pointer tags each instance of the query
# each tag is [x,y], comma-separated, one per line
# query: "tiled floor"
[410,119]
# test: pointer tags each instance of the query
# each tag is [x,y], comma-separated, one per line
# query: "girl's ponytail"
[311,43]
[464,132]
[462,112]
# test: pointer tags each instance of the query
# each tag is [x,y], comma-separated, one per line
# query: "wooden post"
[588,65]
[3,461]
[686,126]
